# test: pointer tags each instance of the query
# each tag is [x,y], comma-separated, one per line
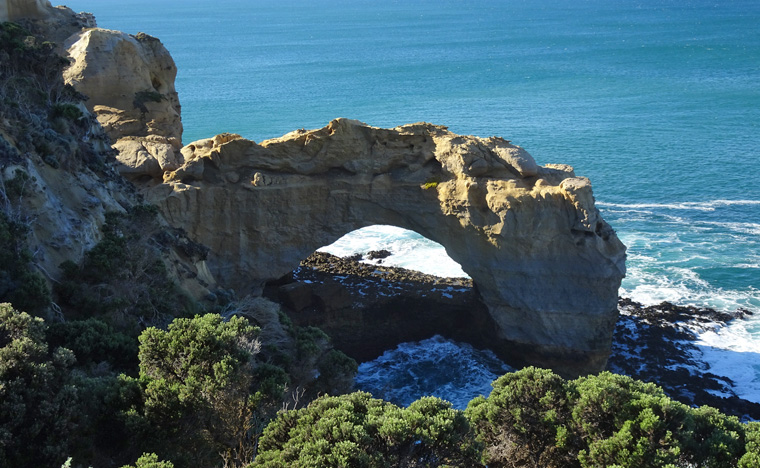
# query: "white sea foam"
[408,250]
[439,367]
[700,206]
[733,351]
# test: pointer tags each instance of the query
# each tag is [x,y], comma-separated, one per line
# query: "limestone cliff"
[57,176]
[545,263]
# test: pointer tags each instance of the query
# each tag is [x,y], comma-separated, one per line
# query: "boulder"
[129,81]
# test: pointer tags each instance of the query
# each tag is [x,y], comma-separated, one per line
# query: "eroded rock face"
[41,18]
[130,84]
[545,263]
[12,10]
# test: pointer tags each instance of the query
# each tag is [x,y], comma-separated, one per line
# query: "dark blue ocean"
[657,102]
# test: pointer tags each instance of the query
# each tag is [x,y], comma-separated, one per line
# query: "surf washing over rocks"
[657,104]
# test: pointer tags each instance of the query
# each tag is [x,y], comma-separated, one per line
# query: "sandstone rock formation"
[545,263]
[129,81]
[65,198]
[54,23]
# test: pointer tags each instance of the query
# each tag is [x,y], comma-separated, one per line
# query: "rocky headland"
[545,263]
[546,267]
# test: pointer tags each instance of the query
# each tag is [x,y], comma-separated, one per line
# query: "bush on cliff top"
[535,419]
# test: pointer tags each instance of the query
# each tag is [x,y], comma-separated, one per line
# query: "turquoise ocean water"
[657,102]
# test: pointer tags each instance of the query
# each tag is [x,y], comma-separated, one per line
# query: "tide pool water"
[656,101]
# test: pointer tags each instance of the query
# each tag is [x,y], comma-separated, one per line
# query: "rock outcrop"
[58,156]
[12,10]
[129,81]
[39,16]
[545,263]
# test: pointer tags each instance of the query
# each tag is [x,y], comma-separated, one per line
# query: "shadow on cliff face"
[368,309]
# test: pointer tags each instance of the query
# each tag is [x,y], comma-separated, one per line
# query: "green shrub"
[431,183]
[199,390]
[66,111]
[336,373]
[359,431]
[150,460]
[600,421]
[751,457]
[20,284]
[93,341]
[37,403]
[524,421]
[142,97]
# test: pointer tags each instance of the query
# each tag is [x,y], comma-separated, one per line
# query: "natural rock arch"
[546,264]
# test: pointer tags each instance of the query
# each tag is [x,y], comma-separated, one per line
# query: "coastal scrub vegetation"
[206,395]
[534,418]
[38,111]
[123,279]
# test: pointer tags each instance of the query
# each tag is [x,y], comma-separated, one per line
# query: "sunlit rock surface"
[543,260]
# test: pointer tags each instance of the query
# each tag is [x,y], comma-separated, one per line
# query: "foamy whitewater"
[657,102]
[456,372]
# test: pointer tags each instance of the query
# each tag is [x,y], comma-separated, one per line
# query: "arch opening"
[393,246]
[380,286]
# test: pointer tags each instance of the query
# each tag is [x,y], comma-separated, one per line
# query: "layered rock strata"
[545,263]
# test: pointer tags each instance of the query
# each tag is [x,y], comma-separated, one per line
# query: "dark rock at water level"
[368,309]
[657,344]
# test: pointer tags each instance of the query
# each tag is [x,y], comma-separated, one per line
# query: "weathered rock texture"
[545,263]
[368,309]
[39,16]
[129,81]
[65,200]
[12,10]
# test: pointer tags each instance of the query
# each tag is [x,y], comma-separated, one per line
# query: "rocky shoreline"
[369,308]
[657,344]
